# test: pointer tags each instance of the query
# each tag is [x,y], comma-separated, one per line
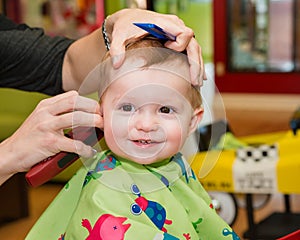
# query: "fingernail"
[94,152]
[200,79]
[116,61]
[204,75]
[197,80]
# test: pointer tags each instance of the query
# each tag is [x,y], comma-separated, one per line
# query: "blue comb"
[156,31]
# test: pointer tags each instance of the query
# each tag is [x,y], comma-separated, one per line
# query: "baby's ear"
[196,118]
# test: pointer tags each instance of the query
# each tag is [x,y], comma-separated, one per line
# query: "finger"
[86,119]
[59,104]
[70,102]
[118,45]
[202,69]
[75,146]
[183,38]
[117,51]
[195,61]
[87,105]
[172,24]
[58,97]
[75,119]
[186,41]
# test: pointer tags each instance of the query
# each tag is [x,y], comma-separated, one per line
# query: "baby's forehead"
[154,76]
[149,86]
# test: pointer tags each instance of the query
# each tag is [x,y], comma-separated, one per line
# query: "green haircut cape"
[116,199]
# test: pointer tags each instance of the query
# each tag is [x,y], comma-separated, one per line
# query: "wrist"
[6,170]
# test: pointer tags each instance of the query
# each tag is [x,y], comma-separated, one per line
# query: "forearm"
[31,60]
[81,57]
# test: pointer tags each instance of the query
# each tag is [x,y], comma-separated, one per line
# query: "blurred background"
[251,50]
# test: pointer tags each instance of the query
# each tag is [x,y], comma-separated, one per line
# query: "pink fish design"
[107,227]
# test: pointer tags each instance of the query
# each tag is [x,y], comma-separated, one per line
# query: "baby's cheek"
[175,135]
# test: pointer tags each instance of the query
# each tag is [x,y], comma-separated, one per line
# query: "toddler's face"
[147,117]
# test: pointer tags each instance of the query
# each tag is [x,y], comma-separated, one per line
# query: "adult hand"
[41,135]
[121,31]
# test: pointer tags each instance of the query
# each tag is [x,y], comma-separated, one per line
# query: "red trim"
[100,15]
[293,236]
[259,82]
[219,23]
[13,10]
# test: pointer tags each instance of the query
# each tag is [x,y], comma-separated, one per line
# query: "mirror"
[264,35]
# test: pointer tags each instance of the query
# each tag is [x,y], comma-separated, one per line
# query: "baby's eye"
[127,108]
[166,110]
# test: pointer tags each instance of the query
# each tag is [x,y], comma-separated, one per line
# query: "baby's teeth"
[145,141]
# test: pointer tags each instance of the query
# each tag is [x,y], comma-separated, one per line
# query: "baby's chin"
[144,161]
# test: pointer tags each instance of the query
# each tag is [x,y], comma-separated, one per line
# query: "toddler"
[140,187]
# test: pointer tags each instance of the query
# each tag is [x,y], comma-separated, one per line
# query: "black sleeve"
[29,59]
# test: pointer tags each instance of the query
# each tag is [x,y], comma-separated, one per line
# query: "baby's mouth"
[143,141]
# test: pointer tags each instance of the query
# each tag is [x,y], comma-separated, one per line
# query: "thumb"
[117,53]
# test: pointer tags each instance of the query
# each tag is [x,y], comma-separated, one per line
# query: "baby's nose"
[146,121]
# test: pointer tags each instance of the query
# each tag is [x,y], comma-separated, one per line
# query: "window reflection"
[264,35]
